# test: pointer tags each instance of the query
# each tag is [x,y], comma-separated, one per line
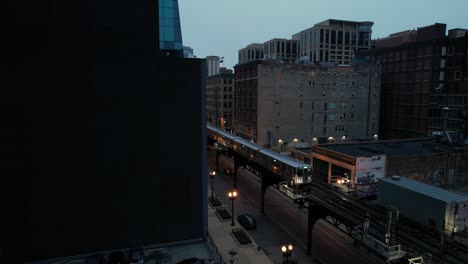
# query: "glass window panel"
[161,34]
[169,3]
[168,22]
[177,37]
[168,34]
[178,45]
[169,45]
[161,12]
[168,12]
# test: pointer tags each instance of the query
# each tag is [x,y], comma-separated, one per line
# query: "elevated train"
[290,170]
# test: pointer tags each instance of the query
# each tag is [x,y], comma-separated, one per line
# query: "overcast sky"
[222,27]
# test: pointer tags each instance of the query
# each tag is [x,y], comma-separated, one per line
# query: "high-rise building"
[170,34]
[220,99]
[285,50]
[250,53]
[212,64]
[420,77]
[91,143]
[334,40]
[277,103]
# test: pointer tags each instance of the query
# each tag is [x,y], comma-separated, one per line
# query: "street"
[283,223]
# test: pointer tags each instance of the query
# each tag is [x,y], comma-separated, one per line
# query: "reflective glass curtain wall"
[170,36]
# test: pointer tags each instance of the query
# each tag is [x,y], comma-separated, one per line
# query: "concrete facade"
[250,53]
[277,103]
[334,40]
[285,50]
[220,99]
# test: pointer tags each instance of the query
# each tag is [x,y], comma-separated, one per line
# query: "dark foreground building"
[93,132]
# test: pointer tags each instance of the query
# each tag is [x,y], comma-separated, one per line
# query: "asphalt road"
[284,223]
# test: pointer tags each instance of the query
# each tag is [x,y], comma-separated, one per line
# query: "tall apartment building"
[277,103]
[92,141]
[212,64]
[420,77]
[220,99]
[334,40]
[286,50]
[250,53]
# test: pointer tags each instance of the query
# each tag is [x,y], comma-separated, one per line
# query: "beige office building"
[334,40]
[219,99]
[278,103]
[250,53]
[286,50]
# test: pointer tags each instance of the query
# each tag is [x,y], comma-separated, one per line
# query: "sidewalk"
[224,241]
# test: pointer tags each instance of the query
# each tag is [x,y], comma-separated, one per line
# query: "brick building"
[220,98]
[278,103]
[420,76]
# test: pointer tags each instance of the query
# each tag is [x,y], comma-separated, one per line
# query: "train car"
[425,204]
[289,169]
[223,138]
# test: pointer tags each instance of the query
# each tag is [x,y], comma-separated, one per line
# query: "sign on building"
[369,169]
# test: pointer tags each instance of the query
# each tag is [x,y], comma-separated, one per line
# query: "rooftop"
[390,148]
[427,190]
[339,21]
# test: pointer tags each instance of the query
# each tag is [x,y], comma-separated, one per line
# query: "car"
[136,257]
[116,257]
[228,171]
[339,180]
[196,261]
[247,221]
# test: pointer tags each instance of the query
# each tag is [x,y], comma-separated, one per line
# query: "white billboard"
[369,169]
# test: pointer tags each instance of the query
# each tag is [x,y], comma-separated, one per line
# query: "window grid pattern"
[170,36]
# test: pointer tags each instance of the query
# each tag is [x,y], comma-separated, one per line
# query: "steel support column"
[268,179]
[314,213]
[218,153]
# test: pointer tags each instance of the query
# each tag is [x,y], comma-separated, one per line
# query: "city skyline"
[222,28]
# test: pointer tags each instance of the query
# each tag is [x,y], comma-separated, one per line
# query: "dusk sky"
[222,27]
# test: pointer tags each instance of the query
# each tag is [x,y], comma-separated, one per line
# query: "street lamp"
[232,195]
[212,175]
[287,251]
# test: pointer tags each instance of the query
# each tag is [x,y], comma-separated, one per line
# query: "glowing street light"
[212,175]
[232,195]
[287,251]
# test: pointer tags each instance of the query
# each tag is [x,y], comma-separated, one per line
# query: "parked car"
[136,257]
[228,171]
[196,261]
[247,221]
[117,257]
